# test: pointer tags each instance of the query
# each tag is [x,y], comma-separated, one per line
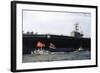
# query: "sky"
[58,23]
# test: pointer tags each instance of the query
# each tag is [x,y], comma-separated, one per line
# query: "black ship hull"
[62,43]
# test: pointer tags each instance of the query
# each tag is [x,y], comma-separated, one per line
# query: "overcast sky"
[58,23]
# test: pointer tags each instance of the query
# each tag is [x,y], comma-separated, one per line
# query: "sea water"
[57,56]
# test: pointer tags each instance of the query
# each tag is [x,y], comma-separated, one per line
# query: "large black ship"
[61,42]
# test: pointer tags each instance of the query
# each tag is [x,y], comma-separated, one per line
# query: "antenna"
[76,27]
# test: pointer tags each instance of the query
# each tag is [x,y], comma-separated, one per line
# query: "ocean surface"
[57,56]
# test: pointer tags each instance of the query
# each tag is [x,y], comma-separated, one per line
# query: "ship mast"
[78,34]
[76,27]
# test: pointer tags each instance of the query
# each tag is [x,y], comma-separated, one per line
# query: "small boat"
[41,51]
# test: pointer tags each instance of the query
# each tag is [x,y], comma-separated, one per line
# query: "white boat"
[41,51]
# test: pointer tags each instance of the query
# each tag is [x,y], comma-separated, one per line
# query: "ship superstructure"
[76,32]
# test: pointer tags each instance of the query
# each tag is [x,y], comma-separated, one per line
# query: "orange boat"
[40,45]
